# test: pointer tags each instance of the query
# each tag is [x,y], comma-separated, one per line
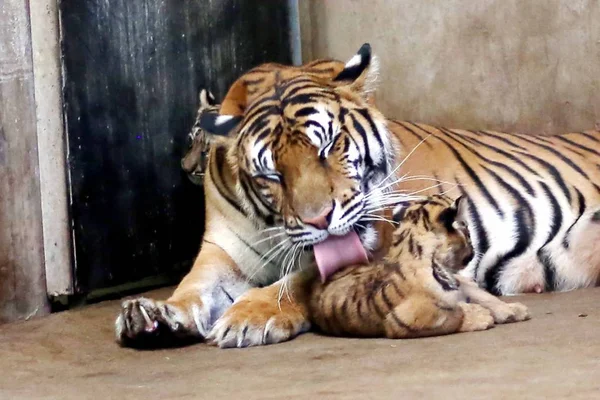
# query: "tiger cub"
[414,291]
[196,156]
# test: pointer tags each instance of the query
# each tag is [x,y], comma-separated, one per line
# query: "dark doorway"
[132,74]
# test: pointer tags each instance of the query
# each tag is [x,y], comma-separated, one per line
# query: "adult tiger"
[301,159]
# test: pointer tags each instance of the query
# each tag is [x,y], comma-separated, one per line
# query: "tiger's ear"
[360,72]
[219,125]
[206,98]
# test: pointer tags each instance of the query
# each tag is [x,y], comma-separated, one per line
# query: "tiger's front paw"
[144,323]
[258,318]
[510,312]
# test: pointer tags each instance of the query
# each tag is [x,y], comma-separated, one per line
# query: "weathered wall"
[52,147]
[529,66]
[22,280]
[132,70]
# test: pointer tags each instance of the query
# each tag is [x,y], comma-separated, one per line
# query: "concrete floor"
[72,355]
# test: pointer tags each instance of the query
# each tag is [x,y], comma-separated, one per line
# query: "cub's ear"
[217,124]
[360,72]
[206,98]
[461,205]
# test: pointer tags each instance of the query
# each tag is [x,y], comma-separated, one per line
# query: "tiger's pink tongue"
[337,252]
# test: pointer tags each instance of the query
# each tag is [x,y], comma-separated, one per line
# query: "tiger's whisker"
[404,160]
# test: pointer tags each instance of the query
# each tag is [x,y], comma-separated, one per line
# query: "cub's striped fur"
[299,154]
[413,292]
[195,159]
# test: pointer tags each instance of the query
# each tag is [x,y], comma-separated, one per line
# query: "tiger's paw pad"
[144,322]
[254,323]
[476,318]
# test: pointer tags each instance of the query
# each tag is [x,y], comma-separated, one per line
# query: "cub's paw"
[476,318]
[256,319]
[510,312]
[145,323]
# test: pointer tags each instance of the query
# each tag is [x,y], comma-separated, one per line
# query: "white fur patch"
[222,119]
[354,61]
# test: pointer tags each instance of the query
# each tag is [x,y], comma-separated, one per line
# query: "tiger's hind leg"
[577,259]
[421,315]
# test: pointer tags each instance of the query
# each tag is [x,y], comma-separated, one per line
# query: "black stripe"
[371,300]
[577,145]
[537,137]
[249,82]
[401,323]
[507,155]
[500,165]
[443,277]
[344,309]
[261,137]
[305,98]
[582,206]
[296,90]
[524,220]
[587,135]
[386,299]
[351,209]
[305,112]
[553,171]
[556,223]
[248,191]
[216,168]
[361,131]
[365,114]
[474,177]
[502,139]
[559,155]
[482,243]
[334,317]
[361,315]
[440,185]
[403,125]
[344,203]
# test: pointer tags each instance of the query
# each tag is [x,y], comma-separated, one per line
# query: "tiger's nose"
[322,220]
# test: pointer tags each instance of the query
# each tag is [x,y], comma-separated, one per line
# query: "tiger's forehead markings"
[320,126]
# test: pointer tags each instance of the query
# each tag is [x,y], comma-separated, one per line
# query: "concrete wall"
[22,277]
[52,147]
[518,65]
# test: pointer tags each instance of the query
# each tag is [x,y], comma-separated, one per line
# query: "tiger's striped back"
[530,196]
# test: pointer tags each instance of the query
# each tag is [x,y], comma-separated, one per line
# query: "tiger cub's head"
[194,160]
[433,228]
[308,148]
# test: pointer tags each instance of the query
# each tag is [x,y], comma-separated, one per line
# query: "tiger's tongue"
[337,252]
